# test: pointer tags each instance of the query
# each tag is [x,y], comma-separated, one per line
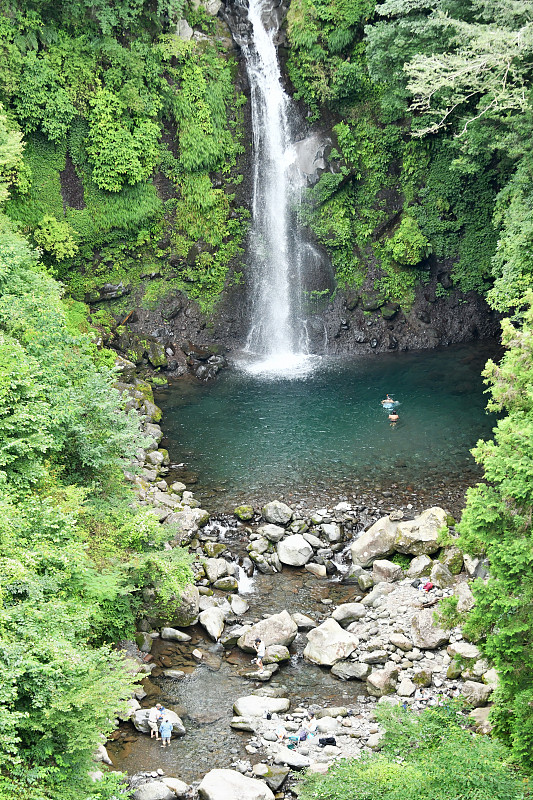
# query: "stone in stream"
[351,671]
[318,570]
[179,788]
[174,635]
[140,720]
[228,784]
[303,622]
[347,613]
[244,513]
[228,584]
[215,568]
[254,706]
[271,532]
[294,550]
[277,629]
[173,674]
[329,643]
[260,675]
[238,605]
[376,542]
[212,619]
[154,790]
[187,611]
[425,633]
[247,724]
[275,653]
[277,512]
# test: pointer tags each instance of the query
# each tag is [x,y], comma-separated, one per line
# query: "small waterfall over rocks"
[279,253]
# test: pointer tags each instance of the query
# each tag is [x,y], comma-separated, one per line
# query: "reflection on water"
[259,435]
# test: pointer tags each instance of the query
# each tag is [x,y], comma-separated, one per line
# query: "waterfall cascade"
[278,332]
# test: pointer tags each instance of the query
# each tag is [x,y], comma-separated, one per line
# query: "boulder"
[463,650]
[401,642]
[465,598]
[480,717]
[376,542]
[420,565]
[425,633]
[318,570]
[228,784]
[383,570]
[441,575]
[271,532]
[277,629]
[327,724]
[476,694]
[303,621]
[329,643]
[140,720]
[376,593]
[215,568]
[275,653]
[421,536]
[238,605]
[212,619]
[351,671]
[227,584]
[332,531]
[273,776]
[188,608]
[154,790]
[244,513]
[174,635]
[452,557]
[277,512]
[294,550]
[188,522]
[292,758]
[382,681]
[254,706]
[347,613]
[179,788]
[406,688]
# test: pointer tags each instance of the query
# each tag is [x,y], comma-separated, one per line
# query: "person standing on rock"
[153,719]
[165,729]
[260,649]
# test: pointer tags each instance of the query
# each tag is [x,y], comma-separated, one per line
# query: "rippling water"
[264,435]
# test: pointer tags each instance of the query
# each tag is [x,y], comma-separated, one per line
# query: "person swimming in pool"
[388,400]
[393,417]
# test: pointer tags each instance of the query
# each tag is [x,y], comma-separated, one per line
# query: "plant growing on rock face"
[408,246]
[56,238]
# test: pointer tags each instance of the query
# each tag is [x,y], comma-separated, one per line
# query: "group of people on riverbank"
[159,723]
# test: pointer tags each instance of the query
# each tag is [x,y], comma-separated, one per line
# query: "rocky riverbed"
[331,592]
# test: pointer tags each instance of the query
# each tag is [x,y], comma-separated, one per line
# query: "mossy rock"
[228,584]
[454,670]
[244,513]
[371,301]
[152,411]
[389,310]
[422,678]
[145,389]
[452,558]
[156,354]
[214,549]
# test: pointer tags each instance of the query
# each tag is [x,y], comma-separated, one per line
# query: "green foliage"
[41,100]
[408,246]
[55,237]
[497,522]
[428,755]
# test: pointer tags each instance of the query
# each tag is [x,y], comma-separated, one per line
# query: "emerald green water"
[253,436]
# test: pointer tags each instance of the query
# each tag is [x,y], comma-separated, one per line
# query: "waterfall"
[278,332]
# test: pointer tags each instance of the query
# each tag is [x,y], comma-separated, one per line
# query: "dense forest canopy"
[120,148]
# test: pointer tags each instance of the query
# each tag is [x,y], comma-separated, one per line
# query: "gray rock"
[476,694]
[154,790]
[420,565]
[332,531]
[463,650]
[254,706]
[465,597]
[274,777]
[376,542]
[271,532]
[421,535]
[238,605]
[294,550]
[376,593]
[228,584]
[277,629]
[244,724]
[480,716]
[401,641]
[347,613]
[327,725]
[140,720]
[302,621]
[382,681]
[329,643]
[215,568]
[184,30]
[318,570]
[314,541]
[228,784]
[277,512]
[179,788]
[174,674]
[174,635]
[425,633]
[292,758]
[351,671]
[441,575]
[383,570]
[276,653]
[212,619]
[406,688]
[186,613]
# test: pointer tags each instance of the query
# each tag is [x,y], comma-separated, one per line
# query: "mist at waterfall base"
[256,437]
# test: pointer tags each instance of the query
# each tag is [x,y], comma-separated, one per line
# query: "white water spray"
[278,332]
